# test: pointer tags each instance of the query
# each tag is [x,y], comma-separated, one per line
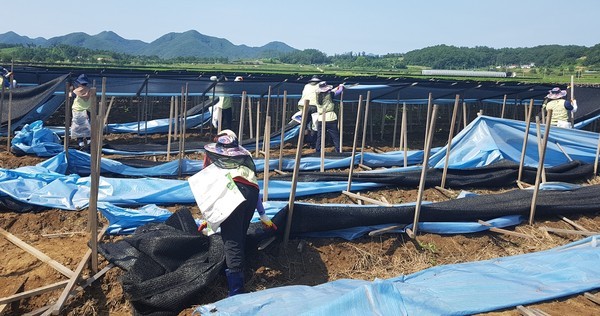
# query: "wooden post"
[449,146]
[395,127]
[220,116]
[10,97]
[503,106]
[571,115]
[464,115]
[282,135]
[404,134]
[539,170]
[250,122]
[341,121]
[323,138]
[171,112]
[257,128]
[429,104]
[95,172]
[525,137]
[267,141]
[288,224]
[364,134]
[353,156]
[412,233]
[596,158]
[242,110]
[67,119]
[539,141]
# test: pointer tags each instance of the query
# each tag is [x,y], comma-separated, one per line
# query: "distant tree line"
[438,57]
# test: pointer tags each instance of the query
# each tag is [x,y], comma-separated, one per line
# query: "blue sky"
[376,26]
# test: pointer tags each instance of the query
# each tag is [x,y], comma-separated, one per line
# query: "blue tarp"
[455,289]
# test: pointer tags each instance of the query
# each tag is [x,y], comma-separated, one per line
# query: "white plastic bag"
[216,194]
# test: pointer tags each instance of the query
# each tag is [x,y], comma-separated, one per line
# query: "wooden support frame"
[412,233]
[366,199]
[267,168]
[449,145]
[540,168]
[364,132]
[525,137]
[502,231]
[288,224]
[353,156]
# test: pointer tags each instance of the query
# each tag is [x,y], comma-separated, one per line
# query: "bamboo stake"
[563,151]
[95,172]
[366,199]
[266,169]
[404,134]
[282,134]
[33,292]
[242,110]
[323,132]
[412,233]
[525,137]
[171,112]
[539,170]
[503,106]
[365,122]
[353,156]
[571,115]
[569,231]
[539,141]
[110,104]
[288,224]
[449,146]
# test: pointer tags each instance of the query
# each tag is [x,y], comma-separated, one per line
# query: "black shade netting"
[167,265]
[314,217]
[27,99]
[501,174]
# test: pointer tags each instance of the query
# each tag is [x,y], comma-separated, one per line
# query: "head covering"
[556,93]
[4,71]
[324,87]
[314,79]
[214,78]
[239,78]
[227,145]
[82,80]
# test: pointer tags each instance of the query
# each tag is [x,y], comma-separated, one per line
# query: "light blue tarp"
[489,139]
[455,289]
[35,139]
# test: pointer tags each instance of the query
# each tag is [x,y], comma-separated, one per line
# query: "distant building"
[463,73]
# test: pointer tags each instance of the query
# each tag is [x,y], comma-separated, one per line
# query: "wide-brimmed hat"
[82,80]
[227,145]
[324,87]
[556,93]
[314,79]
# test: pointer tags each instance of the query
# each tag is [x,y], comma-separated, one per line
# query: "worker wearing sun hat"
[309,93]
[80,123]
[226,153]
[560,107]
[325,105]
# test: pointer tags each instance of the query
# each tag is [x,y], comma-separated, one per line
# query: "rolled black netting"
[167,265]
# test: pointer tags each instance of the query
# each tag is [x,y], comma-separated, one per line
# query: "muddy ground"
[61,235]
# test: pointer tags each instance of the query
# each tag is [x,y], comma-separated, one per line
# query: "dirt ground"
[61,235]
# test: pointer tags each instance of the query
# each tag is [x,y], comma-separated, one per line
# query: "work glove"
[267,223]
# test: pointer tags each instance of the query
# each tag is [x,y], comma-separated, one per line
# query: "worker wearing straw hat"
[226,153]
[309,93]
[560,107]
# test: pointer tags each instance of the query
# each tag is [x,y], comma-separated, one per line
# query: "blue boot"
[235,282]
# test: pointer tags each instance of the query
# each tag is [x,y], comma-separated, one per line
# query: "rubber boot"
[235,282]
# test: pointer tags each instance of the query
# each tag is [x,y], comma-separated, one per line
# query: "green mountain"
[171,45]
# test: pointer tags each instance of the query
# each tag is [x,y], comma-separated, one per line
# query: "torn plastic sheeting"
[456,289]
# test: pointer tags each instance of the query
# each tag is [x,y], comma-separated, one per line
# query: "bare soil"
[61,235]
